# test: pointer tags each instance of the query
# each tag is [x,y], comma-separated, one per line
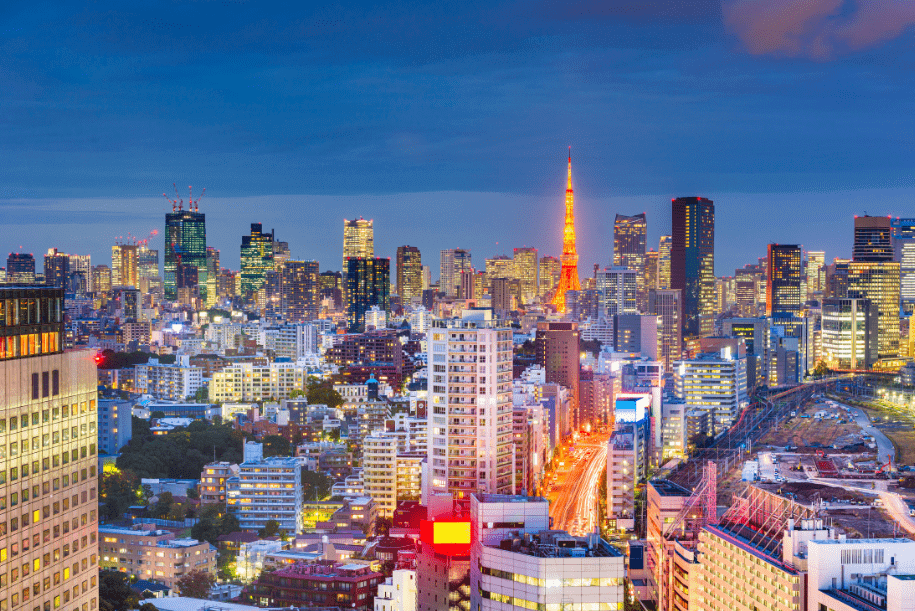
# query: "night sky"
[448,122]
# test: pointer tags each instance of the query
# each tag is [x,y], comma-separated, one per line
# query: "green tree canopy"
[115,592]
[196,584]
[270,529]
[276,445]
[321,392]
[119,490]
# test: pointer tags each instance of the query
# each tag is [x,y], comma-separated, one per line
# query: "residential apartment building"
[470,398]
[115,425]
[266,489]
[154,554]
[715,382]
[389,475]
[246,382]
[213,478]
[173,382]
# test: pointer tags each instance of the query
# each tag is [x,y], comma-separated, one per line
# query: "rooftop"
[668,488]
[507,498]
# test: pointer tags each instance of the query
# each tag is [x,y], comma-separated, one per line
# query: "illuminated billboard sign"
[450,537]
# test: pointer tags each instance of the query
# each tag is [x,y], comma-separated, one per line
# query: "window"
[46,384]
[34,386]
[55,382]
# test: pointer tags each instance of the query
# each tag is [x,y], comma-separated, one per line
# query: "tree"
[315,485]
[148,607]
[192,493]
[214,522]
[202,395]
[270,529]
[295,393]
[821,370]
[115,593]
[119,491]
[321,392]
[196,584]
[276,445]
[163,505]
[157,414]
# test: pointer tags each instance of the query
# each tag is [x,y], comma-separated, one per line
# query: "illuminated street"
[574,496]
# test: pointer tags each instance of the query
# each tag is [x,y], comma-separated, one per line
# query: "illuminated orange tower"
[568,275]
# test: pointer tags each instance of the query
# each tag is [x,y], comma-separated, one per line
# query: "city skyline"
[280,111]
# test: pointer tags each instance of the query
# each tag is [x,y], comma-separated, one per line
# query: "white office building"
[173,382]
[266,489]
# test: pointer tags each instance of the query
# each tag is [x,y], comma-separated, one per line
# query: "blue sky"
[448,122]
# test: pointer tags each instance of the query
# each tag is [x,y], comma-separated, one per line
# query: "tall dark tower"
[256,259]
[873,239]
[783,281]
[409,273]
[185,244]
[368,283]
[692,262]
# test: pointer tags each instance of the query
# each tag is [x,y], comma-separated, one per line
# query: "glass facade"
[185,244]
[31,321]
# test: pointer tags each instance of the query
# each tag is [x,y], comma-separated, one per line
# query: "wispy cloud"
[816,29]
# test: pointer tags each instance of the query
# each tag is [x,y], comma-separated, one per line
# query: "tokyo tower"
[568,276]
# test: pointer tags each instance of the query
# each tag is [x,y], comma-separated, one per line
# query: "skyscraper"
[301,290]
[409,273]
[148,268]
[527,272]
[474,452]
[664,261]
[124,269]
[879,282]
[816,260]
[666,305]
[783,282]
[873,239]
[904,254]
[453,262]
[549,274]
[692,262]
[185,244]
[358,239]
[558,351]
[568,274]
[80,274]
[630,237]
[20,268]
[50,521]
[368,283]
[618,290]
[651,270]
[56,268]
[256,259]
[212,292]
[850,333]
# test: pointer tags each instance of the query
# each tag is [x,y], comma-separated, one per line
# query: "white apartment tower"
[470,396]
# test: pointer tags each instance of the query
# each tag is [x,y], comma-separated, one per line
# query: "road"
[573,500]
[884,445]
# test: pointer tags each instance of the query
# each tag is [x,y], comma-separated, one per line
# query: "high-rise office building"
[630,238]
[80,272]
[124,268]
[873,239]
[185,244]
[904,254]
[470,398]
[557,345]
[20,268]
[879,282]
[568,272]
[692,262]
[850,334]
[618,290]
[280,255]
[101,279]
[358,239]
[409,273]
[664,261]
[256,259]
[526,270]
[665,304]
[754,332]
[783,282]
[49,557]
[301,291]
[549,274]
[816,276]
[651,271]
[56,268]
[213,270]
[148,268]
[368,283]
[453,262]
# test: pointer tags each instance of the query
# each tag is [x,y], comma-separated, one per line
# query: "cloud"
[816,29]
